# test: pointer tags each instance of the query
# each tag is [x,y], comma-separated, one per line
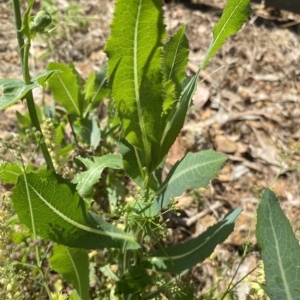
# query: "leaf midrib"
[136,83]
[189,169]
[68,94]
[81,226]
[284,279]
[75,271]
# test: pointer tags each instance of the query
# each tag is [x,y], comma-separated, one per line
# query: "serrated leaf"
[65,88]
[195,170]
[86,180]
[134,51]
[279,249]
[51,208]
[73,265]
[184,256]
[235,14]
[175,58]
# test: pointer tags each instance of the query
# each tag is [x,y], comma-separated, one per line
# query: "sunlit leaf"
[51,208]
[86,180]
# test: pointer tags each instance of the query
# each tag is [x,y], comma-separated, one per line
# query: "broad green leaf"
[134,52]
[9,172]
[235,14]
[86,180]
[195,170]
[51,208]
[88,130]
[184,256]
[279,249]
[73,265]
[13,90]
[175,58]
[65,88]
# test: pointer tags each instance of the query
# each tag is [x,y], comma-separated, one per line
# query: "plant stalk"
[24,54]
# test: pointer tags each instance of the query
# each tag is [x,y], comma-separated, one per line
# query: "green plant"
[152,95]
[279,248]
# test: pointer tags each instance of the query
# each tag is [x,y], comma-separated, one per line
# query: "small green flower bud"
[42,20]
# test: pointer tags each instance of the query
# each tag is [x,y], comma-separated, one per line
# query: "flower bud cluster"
[49,133]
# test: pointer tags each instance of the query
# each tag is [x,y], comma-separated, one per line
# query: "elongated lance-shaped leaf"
[195,170]
[235,14]
[279,248]
[65,88]
[86,180]
[73,265]
[51,207]
[174,63]
[175,58]
[184,256]
[134,52]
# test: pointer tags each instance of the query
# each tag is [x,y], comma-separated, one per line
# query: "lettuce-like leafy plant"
[152,95]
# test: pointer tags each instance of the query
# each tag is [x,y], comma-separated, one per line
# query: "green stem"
[24,54]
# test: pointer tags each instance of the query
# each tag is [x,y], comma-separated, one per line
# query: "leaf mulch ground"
[246,105]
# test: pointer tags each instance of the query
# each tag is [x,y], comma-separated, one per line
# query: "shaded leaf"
[131,164]
[88,130]
[279,248]
[52,209]
[65,88]
[73,265]
[95,89]
[184,256]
